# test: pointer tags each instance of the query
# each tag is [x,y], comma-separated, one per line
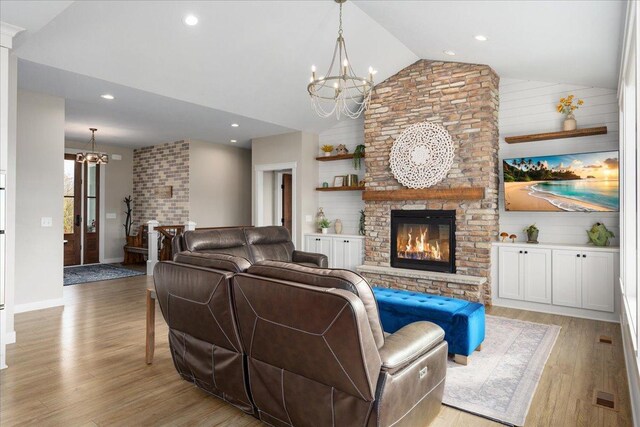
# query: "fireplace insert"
[423,240]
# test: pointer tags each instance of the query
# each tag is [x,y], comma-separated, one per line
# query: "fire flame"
[419,247]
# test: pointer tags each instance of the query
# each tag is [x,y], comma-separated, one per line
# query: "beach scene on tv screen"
[585,182]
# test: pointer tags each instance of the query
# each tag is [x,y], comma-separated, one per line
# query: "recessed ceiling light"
[481,38]
[234,125]
[191,20]
[233,140]
[107,96]
[448,52]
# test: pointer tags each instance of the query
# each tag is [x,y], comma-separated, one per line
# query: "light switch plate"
[111,215]
[46,221]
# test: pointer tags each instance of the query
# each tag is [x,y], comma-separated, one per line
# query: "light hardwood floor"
[84,365]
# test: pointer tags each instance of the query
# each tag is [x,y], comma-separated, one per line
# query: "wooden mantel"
[460,193]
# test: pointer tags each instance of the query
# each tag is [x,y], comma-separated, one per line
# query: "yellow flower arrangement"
[567,106]
[327,148]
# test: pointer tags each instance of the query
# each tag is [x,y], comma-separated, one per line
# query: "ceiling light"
[92,156]
[234,125]
[448,52]
[481,38]
[340,91]
[107,96]
[191,20]
[234,140]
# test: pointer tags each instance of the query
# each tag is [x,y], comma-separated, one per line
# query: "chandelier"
[340,91]
[92,156]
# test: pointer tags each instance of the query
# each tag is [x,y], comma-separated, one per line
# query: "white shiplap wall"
[529,107]
[344,205]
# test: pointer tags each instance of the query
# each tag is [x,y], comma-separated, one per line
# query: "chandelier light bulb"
[313,68]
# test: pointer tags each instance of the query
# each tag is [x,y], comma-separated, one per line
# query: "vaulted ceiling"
[248,62]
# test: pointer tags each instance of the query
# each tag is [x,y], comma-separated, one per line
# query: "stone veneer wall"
[156,166]
[464,99]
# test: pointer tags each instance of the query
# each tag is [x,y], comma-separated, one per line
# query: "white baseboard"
[554,309]
[112,260]
[38,305]
[633,370]
[10,337]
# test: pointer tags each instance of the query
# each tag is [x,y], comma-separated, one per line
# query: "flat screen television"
[584,182]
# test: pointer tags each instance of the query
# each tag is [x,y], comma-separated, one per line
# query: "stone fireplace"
[423,240]
[463,98]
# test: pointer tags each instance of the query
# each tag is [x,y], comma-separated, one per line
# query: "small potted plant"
[358,154]
[532,233]
[324,225]
[327,149]
[566,106]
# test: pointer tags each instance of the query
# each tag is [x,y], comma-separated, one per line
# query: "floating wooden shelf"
[356,188]
[601,130]
[463,193]
[336,157]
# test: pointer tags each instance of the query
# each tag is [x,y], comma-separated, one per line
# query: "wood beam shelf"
[600,130]
[462,193]
[336,157]
[355,188]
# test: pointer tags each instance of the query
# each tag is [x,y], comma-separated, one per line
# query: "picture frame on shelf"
[338,181]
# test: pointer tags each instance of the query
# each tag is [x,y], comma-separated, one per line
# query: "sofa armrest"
[225,262]
[311,258]
[409,343]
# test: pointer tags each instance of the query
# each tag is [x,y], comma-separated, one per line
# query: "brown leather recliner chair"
[317,355]
[197,305]
[255,244]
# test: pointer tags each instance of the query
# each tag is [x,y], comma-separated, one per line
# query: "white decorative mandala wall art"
[422,155]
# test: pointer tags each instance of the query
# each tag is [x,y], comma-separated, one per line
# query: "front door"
[286,201]
[72,208]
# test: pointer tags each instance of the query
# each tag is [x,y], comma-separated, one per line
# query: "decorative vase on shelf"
[327,154]
[337,224]
[325,230]
[569,123]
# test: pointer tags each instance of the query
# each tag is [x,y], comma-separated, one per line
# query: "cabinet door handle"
[526,252]
[584,255]
[520,251]
[578,255]
[347,241]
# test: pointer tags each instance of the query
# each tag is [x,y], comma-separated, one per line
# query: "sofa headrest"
[224,262]
[267,235]
[325,278]
[202,240]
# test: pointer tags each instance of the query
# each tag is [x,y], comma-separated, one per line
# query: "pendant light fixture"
[340,91]
[92,156]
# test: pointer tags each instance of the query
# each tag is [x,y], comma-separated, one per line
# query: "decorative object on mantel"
[327,149]
[320,216]
[567,107]
[128,201]
[338,181]
[532,233]
[342,150]
[504,235]
[422,155]
[164,192]
[358,154]
[337,224]
[599,235]
[600,130]
[92,156]
[361,227]
[325,184]
[513,238]
[324,225]
[341,90]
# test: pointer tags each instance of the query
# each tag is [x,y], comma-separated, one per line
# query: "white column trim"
[7,33]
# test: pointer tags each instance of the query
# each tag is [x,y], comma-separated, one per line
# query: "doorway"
[274,200]
[81,212]
[286,192]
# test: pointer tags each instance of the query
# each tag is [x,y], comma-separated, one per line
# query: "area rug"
[499,382]
[96,273]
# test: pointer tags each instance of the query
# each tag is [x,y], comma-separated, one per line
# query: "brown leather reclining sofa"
[298,346]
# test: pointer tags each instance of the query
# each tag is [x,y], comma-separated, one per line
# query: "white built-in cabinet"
[571,276]
[343,251]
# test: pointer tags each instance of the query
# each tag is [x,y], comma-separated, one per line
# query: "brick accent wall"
[156,166]
[464,99]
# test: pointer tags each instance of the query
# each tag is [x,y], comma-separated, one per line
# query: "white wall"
[116,184]
[269,197]
[300,148]
[39,166]
[219,185]
[529,107]
[345,205]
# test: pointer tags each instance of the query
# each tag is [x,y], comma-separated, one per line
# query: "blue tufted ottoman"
[462,321]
